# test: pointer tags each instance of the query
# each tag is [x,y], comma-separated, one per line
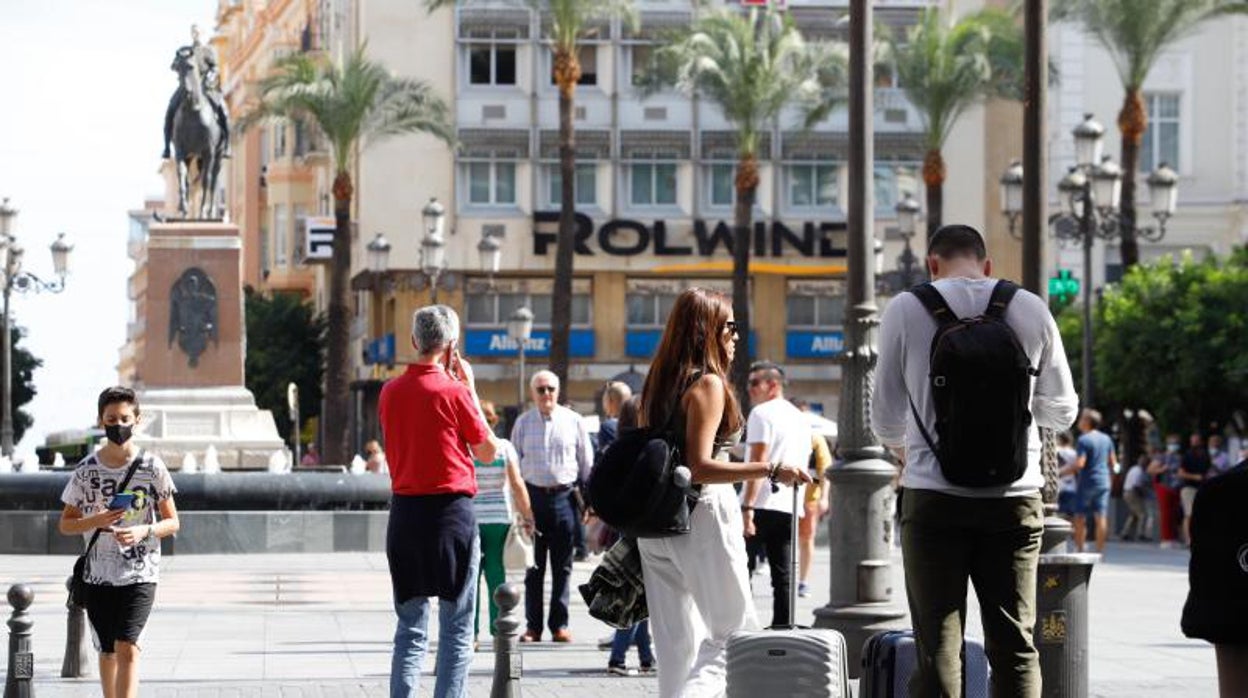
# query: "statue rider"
[206,60]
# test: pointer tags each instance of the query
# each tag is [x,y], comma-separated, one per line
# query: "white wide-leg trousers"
[698,593]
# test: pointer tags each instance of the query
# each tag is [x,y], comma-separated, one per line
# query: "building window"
[649,309]
[585,185]
[491,308]
[652,183]
[491,182]
[721,185]
[281,236]
[491,64]
[1161,138]
[639,58]
[279,140]
[812,185]
[810,311]
[892,182]
[588,56]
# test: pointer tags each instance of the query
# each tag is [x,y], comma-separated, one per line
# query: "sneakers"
[647,669]
[803,590]
[617,670]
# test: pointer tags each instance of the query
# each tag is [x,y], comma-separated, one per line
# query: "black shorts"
[118,613]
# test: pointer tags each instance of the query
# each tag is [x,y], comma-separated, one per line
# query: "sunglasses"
[730,327]
[755,382]
[546,390]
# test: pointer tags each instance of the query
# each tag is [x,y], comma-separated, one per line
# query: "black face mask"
[118,433]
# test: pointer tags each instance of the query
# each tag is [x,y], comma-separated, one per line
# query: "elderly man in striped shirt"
[555,454]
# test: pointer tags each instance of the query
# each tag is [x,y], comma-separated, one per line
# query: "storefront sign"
[808,344]
[380,350]
[628,238]
[319,238]
[642,344]
[497,343]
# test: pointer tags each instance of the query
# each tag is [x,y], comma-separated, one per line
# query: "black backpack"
[980,383]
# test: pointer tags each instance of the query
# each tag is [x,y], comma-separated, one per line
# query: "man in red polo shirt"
[433,427]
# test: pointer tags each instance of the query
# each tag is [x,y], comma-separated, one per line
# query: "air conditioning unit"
[578,113]
[655,114]
[895,116]
[493,111]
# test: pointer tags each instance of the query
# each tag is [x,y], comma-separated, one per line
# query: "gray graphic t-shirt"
[91,487]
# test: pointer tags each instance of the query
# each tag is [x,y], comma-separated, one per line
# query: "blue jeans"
[639,633]
[411,638]
[555,518]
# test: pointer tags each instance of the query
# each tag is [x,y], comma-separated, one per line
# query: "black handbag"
[78,582]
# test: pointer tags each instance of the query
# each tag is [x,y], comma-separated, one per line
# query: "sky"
[83,90]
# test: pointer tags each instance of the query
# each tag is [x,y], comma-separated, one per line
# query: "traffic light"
[1063,288]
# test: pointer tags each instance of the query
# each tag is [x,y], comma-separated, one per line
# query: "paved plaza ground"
[320,625]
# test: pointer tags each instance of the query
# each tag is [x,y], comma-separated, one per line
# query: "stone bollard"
[21,659]
[77,663]
[508,664]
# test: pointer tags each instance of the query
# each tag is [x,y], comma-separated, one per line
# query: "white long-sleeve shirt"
[906,332]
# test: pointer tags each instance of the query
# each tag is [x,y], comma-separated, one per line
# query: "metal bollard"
[77,662]
[1061,632]
[21,659]
[508,664]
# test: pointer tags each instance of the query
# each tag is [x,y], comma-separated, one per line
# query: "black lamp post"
[1090,192]
[21,281]
[433,246]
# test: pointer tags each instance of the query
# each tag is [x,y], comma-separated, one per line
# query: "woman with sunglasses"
[701,575]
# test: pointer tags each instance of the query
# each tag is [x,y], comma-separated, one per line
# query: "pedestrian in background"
[1067,483]
[431,420]
[1095,461]
[1166,487]
[1194,468]
[776,431]
[816,507]
[1218,456]
[624,415]
[1137,491]
[555,455]
[375,458]
[952,533]
[696,584]
[126,523]
[501,502]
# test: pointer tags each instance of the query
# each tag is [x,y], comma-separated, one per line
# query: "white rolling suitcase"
[788,661]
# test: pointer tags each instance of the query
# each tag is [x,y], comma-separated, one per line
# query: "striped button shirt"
[554,450]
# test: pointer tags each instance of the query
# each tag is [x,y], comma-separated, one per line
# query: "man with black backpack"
[969,366]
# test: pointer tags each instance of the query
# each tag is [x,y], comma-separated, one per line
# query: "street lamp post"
[860,588]
[1091,192]
[433,246]
[907,221]
[21,281]
[520,329]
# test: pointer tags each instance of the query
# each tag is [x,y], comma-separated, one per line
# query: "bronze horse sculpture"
[197,137]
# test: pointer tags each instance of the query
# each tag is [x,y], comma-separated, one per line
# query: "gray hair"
[618,392]
[434,327]
[550,375]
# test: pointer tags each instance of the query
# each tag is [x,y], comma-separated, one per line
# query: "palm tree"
[1135,33]
[945,67]
[571,22]
[354,102]
[754,67]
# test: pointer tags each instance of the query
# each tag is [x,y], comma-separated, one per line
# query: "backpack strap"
[1002,294]
[134,465]
[935,304]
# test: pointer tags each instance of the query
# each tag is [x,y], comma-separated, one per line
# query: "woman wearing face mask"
[1165,472]
[122,497]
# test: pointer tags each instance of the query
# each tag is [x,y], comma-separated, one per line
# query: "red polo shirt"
[428,420]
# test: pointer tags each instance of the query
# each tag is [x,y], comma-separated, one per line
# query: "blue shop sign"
[810,344]
[380,350]
[497,343]
[642,344]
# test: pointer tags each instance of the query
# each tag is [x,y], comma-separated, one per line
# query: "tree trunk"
[335,419]
[1132,122]
[742,241]
[934,178]
[567,73]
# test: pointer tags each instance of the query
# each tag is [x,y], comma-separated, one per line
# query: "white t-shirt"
[492,505]
[786,433]
[91,487]
[906,332]
[1136,479]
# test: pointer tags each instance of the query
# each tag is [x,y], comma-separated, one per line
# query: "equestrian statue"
[197,126]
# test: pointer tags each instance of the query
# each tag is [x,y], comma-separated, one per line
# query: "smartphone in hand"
[122,501]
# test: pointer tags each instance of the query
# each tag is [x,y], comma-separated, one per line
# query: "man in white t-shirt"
[777,432]
[954,533]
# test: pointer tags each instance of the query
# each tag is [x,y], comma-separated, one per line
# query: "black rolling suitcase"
[889,660]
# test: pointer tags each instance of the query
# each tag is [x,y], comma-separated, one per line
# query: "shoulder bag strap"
[935,304]
[918,421]
[1002,294]
[134,465]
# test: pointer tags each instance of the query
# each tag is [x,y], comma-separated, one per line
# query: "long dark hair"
[693,342]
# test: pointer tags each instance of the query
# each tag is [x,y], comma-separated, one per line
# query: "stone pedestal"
[189,299]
